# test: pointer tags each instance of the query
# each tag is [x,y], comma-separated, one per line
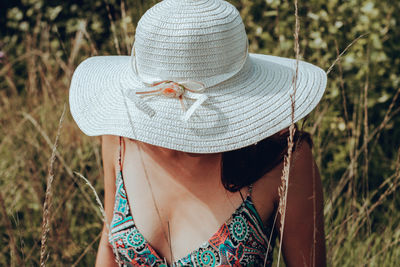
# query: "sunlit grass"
[362,222]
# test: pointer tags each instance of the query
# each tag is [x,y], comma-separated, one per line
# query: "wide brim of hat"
[254,104]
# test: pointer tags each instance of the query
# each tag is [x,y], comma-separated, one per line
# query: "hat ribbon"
[188,89]
[171,89]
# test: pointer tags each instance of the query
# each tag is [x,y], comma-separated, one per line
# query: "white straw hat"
[190,83]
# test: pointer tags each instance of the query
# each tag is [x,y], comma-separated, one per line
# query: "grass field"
[355,131]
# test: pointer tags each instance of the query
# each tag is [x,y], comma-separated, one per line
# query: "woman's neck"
[185,167]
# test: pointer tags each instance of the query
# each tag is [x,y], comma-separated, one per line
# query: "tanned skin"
[192,199]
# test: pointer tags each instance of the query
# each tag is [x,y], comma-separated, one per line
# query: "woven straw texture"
[247,95]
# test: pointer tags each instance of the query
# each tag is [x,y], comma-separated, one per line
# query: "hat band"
[208,82]
[183,89]
[179,90]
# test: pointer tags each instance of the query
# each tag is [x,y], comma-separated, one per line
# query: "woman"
[194,134]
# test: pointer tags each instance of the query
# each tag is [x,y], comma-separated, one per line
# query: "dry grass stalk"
[8,138]
[113,30]
[365,140]
[389,114]
[49,196]
[47,88]
[48,141]
[57,154]
[283,189]
[86,250]
[344,51]
[60,39]
[9,66]
[392,244]
[31,62]
[97,154]
[91,42]
[363,216]
[100,205]
[21,240]
[124,26]
[9,78]
[398,162]
[344,101]
[76,45]
[318,120]
[15,260]
[348,174]
[66,196]
[354,164]
[103,213]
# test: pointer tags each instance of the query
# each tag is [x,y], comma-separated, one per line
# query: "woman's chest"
[176,221]
[189,241]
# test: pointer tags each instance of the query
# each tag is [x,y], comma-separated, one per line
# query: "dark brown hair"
[242,167]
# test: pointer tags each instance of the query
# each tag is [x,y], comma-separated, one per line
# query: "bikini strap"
[250,189]
[248,193]
[241,195]
[120,154]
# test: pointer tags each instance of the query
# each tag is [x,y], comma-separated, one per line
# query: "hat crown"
[189,40]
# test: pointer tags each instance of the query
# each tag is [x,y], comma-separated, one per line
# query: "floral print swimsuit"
[242,240]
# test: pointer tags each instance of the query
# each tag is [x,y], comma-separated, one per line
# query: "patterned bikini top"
[241,241]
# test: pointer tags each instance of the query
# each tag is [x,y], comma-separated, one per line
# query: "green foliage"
[355,128]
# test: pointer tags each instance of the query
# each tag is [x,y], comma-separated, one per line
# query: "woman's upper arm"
[109,149]
[303,236]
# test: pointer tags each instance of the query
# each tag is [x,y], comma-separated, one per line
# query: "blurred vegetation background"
[355,129]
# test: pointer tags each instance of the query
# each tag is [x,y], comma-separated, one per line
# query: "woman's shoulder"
[301,172]
[110,151]
[110,141]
